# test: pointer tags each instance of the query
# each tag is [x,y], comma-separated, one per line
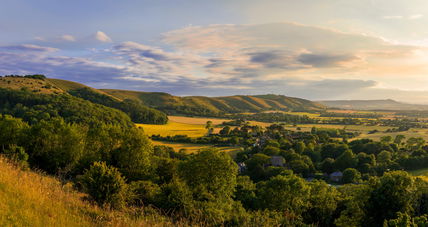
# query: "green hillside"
[43,87]
[200,105]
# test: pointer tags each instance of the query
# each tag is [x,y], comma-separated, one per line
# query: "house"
[336,176]
[277,161]
[242,167]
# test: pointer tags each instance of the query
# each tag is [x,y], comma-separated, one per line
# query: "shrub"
[144,192]
[104,184]
[18,155]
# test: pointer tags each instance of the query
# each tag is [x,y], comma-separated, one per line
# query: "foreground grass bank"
[29,198]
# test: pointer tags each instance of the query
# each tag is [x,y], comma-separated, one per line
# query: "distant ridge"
[201,105]
[382,104]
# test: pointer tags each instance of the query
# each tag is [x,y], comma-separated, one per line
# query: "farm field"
[174,128]
[190,126]
[414,132]
[193,148]
[195,127]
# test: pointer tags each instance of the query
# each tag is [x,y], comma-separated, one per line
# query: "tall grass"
[29,198]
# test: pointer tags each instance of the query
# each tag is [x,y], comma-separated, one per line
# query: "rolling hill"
[212,106]
[386,104]
[138,112]
[148,103]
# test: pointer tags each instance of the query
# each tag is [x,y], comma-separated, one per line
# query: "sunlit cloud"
[283,58]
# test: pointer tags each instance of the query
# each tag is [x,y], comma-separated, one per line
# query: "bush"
[105,185]
[144,192]
[17,155]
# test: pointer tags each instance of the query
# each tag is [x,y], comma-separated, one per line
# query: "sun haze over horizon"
[319,50]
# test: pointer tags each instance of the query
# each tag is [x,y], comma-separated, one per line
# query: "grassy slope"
[237,103]
[35,85]
[28,198]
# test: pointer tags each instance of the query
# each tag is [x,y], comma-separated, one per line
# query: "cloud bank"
[282,58]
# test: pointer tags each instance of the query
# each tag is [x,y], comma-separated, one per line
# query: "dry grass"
[31,199]
[35,85]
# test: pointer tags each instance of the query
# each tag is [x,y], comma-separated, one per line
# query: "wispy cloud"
[408,17]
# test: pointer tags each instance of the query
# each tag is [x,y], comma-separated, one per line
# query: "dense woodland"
[281,178]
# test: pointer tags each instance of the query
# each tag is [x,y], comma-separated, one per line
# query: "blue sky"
[324,49]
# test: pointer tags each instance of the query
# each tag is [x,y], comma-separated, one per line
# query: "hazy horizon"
[323,50]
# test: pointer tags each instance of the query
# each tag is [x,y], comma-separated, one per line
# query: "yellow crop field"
[174,128]
[196,120]
[190,126]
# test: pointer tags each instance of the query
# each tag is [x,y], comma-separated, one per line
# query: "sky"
[319,50]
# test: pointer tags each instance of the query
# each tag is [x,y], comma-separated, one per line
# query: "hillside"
[201,105]
[387,104]
[29,198]
[40,85]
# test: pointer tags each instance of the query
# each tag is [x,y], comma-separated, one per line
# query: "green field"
[190,148]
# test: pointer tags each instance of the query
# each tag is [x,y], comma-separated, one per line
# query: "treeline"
[33,76]
[351,115]
[136,111]
[275,117]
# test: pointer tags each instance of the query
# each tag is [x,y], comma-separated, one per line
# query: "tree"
[256,166]
[394,192]
[351,175]
[104,184]
[209,127]
[415,143]
[284,193]
[386,139]
[327,166]
[211,175]
[346,160]
[245,192]
[12,131]
[133,156]
[323,201]
[55,146]
[225,131]
[271,150]
[384,157]
[399,139]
